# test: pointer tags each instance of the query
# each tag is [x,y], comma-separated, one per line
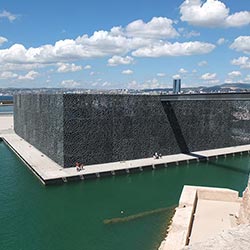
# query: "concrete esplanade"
[203,212]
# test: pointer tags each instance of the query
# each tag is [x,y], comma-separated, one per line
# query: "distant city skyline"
[117,44]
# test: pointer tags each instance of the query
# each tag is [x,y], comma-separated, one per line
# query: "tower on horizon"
[176,86]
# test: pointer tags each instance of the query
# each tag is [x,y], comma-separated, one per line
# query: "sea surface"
[6,98]
[6,109]
[70,216]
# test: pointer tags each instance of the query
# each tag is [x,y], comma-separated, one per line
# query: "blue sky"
[124,44]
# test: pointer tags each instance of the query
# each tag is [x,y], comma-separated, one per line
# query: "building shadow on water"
[228,167]
[182,144]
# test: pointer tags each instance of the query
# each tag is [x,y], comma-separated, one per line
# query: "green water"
[6,108]
[70,216]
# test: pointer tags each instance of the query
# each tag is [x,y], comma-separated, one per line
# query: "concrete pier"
[50,172]
[203,212]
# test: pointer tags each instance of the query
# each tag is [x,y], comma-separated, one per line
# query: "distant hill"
[223,88]
[227,87]
[236,85]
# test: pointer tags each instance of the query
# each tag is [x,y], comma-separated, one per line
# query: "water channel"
[70,216]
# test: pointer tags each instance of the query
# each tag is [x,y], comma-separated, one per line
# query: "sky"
[133,44]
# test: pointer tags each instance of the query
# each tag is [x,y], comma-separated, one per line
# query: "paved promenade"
[213,217]
[6,123]
[203,212]
[48,171]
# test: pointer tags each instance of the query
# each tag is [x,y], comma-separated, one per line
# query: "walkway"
[203,212]
[49,171]
[213,217]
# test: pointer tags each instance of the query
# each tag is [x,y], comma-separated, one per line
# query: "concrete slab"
[236,238]
[213,217]
[202,212]
[6,123]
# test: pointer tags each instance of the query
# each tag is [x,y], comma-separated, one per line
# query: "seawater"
[70,216]
[6,98]
[6,108]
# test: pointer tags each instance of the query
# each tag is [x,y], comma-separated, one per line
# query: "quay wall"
[95,128]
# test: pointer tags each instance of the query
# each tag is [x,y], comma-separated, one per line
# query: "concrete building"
[176,86]
[98,128]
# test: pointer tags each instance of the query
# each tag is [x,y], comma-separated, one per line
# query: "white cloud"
[189,34]
[212,13]
[66,67]
[157,28]
[3,40]
[221,41]
[5,14]
[101,44]
[140,38]
[228,81]
[161,74]
[26,67]
[88,67]
[209,76]
[243,62]
[174,49]
[106,84]
[192,34]
[93,73]
[127,72]
[234,74]
[238,19]
[242,44]
[8,75]
[176,76]
[247,79]
[151,84]
[133,85]
[202,63]
[215,81]
[70,84]
[31,75]
[118,60]
[182,71]
[104,43]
